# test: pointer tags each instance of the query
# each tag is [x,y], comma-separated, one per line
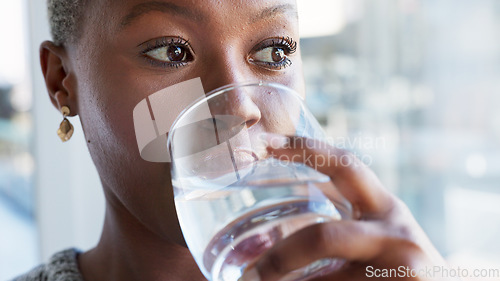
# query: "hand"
[383,234]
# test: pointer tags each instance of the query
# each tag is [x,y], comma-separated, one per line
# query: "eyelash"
[165,42]
[286,43]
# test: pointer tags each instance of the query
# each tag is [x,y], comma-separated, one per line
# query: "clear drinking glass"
[234,199]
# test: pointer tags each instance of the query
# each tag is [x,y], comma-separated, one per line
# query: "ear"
[58,76]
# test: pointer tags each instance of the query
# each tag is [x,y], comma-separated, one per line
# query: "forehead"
[108,21]
[125,12]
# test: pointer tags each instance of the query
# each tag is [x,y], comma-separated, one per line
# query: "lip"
[217,163]
[244,157]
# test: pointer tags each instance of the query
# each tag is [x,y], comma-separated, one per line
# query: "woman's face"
[131,49]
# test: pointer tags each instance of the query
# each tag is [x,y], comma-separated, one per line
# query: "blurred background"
[413,86]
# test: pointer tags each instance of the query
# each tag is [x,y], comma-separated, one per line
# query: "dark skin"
[111,67]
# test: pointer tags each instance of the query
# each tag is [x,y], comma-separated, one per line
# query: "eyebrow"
[272,11]
[171,8]
[164,7]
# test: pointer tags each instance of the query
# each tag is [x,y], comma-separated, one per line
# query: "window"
[16,157]
[413,87]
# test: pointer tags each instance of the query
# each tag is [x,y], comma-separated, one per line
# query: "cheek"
[293,79]
[106,109]
[299,84]
[280,114]
[293,76]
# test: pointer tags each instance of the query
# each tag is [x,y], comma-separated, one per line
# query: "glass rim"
[219,91]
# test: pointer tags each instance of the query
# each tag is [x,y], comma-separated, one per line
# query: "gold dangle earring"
[65,130]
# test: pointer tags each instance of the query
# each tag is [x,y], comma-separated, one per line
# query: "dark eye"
[168,51]
[273,53]
[169,54]
[270,54]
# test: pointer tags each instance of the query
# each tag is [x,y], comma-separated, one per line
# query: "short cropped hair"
[65,18]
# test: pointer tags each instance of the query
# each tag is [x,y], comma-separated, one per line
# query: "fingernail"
[250,275]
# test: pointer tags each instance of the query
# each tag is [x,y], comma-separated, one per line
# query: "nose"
[237,107]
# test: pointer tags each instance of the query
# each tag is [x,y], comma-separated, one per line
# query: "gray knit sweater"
[62,266]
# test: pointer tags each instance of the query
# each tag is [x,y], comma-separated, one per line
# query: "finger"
[350,175]
[354,272]
[362,271]
[350,240]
